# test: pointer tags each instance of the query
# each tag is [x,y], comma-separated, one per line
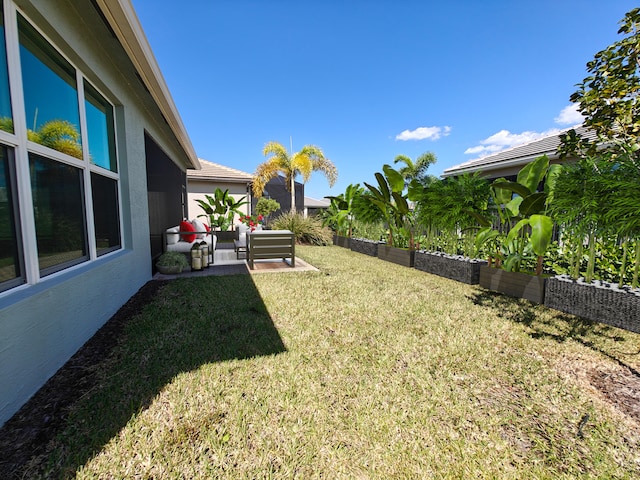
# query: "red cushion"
[187,227]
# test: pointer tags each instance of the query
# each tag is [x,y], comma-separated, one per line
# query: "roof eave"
[124,22]
[218,179]
[499,165]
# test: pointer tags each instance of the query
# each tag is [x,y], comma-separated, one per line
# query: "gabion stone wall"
[366,246]
[598,301]
[455,267]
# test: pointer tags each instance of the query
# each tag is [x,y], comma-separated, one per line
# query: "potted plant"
[594,205]
[446,211]
[171,263]
[265,207]
[339,216]
[220,210]
[390,202]
[529,231]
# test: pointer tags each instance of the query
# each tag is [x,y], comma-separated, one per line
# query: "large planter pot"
[365,246]
[598,301]
[455,267]
[514,284]
[169,269]
[226,237]
[341,241]
[401,256]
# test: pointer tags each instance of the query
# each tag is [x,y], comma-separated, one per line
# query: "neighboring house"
[277,190]
[507,163]
[313,207]
[211,176]
[81,213]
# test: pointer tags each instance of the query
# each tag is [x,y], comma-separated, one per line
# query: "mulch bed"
[27,433]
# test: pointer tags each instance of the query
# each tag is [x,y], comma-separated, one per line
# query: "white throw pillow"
[172,235]
[199,226]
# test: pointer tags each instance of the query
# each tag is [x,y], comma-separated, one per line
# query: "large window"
[59,190]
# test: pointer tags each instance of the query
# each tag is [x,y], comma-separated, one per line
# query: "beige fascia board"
[197,178]
[552,154]
[124,21]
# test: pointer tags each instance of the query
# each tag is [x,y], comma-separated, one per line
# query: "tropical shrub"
[389,201]
[596,205]
[530,229]
[339,216]
[306,229]
[447,212]
[266,206]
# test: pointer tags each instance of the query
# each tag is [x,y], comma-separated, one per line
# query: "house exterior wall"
[197,189]
[43,323]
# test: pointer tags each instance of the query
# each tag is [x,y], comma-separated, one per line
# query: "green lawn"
[362,370]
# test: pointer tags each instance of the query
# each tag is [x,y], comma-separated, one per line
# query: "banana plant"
[220,208]
[530,230]
[340,213]
[391,202]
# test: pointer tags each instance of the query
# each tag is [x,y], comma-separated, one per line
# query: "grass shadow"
[558,326]
[168,328]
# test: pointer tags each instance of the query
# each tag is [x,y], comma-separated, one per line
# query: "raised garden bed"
[365,246]
[401,256]
[455,267]
[341,241]
[597,301]
[514,284]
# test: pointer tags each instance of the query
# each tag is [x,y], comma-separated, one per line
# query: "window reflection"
[100,129]
[10,255]
[6,117]
[58,207]
[50,94]
[105,213]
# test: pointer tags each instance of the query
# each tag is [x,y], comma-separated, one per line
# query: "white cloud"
[424,133]
[505,139]
[569,116]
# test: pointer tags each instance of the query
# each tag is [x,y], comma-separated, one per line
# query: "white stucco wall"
[197,189]
[43,325]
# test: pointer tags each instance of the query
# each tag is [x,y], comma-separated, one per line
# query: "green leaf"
[401,203]
[396,180]
[513,207]
[384,187]
[513,233]
[532,204]
[541,233]
[512,187]
[483,236]
[532,174]
[501,196]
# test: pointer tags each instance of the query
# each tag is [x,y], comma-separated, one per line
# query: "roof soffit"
[126,26]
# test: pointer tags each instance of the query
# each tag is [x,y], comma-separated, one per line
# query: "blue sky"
[369,80]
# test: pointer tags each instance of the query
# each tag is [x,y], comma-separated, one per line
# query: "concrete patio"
[227,263]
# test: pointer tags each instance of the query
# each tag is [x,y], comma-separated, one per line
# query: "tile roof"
[217,172]
[315,203]
[518,155]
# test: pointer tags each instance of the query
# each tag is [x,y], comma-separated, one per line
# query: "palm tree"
[279,161]
[416,170]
